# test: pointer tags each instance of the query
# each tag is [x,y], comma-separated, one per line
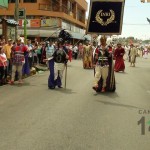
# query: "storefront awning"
[51,33]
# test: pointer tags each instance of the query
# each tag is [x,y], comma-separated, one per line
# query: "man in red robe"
[119,61]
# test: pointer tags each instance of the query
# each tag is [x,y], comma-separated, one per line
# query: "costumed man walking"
[132,54]
[60,59]
[119,61]
[87,55]
[104,73]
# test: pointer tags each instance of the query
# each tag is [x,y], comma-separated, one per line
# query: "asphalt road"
[32,117]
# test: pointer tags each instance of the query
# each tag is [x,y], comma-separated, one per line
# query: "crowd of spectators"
[18,59]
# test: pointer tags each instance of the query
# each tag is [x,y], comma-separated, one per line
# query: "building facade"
[45,18]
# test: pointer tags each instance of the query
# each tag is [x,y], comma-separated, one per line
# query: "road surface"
[33,117]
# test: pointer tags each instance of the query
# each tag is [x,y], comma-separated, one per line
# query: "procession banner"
[105,17]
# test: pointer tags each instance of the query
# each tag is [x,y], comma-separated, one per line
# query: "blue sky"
[134,20]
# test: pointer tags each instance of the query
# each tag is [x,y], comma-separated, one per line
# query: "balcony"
[54,7]
[61,9]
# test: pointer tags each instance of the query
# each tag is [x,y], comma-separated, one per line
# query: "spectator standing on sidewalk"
[3,67]
[75,51]
[43,53]
[7,50]
[30,55]
[49,51]
[39,52]
[80,48]
[18,60]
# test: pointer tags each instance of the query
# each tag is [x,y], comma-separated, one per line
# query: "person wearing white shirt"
[3,67]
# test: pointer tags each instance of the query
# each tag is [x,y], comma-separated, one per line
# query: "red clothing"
[18,52]
[70,55]
[110,50]
[69,48]
[3,61]
[119,63]
[17,48]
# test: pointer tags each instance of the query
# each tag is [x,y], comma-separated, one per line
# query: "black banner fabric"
[105,17]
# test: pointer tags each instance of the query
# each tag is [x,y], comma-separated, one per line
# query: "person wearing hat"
[60,57]
[7,50]
[18,60]
[119,61]
[104,74]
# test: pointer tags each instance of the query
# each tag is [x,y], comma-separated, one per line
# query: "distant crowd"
[17,58]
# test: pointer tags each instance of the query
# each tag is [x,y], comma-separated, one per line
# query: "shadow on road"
[119,104]
[63,90]
[107,94]
[121,73]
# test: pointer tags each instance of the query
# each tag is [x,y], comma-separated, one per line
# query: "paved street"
[32,117]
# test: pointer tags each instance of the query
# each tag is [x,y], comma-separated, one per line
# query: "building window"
[10,17]
[30,17]
[70,6]
[30,1]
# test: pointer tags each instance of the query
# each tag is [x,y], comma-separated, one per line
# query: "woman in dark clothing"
[43,53]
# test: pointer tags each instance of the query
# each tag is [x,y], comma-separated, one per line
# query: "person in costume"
[87,56]
[57,59]
[119,61]
[60,59]
[132,54]
[104,73]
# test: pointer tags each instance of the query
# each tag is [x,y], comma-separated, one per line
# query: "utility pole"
[16,17]
[25,27]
